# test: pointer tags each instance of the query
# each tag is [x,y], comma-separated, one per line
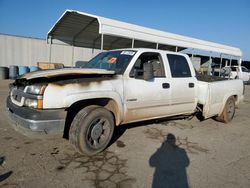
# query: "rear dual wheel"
[91,130]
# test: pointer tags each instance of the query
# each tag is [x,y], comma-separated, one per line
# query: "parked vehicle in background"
[114,88]
[239,72]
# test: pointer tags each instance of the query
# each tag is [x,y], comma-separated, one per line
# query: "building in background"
[25,51]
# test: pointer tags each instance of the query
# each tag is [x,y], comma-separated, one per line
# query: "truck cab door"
[183,84]
[146,99]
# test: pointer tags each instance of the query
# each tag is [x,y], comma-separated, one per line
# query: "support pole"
[50,50]
[210,66]
[220,64]
[192,54]
[239,61]
[93,51]
[157,46]
[230,62]
[72,60]
[102,42]
[133,43]
[176,49]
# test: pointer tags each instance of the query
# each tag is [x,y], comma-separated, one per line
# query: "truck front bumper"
[30,121]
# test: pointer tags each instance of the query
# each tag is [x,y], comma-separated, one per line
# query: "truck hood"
[72,72]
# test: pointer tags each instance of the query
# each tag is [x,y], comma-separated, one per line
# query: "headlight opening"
[36,101]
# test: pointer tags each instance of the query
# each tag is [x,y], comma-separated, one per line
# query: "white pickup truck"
[114,88]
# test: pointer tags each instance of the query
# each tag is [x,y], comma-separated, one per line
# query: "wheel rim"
[98,133]
[230,109]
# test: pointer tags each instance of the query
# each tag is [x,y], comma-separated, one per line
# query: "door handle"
[165,85]
[191,85]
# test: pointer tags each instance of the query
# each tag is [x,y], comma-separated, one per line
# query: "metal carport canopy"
[86,30]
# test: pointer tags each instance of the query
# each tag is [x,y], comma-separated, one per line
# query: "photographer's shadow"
[170,164]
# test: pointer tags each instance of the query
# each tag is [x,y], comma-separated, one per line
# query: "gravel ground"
[173,153]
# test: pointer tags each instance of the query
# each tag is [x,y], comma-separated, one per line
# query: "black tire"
[228,111]
[91,130]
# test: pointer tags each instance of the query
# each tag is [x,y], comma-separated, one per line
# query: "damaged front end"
[25,103]
[25,108]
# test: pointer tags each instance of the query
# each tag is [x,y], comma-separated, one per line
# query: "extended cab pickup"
[117,87]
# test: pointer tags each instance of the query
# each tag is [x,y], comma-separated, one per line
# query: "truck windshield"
[112,60]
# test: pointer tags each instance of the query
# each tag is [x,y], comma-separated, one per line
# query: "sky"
[221,21]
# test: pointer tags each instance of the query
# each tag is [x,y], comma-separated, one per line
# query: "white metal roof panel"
[84,30]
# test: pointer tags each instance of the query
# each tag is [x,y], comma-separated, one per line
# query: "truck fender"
[115,105]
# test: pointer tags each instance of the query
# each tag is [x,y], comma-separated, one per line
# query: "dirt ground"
[180,153]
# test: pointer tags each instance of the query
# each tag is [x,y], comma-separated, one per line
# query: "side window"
[148,57]
[179,66]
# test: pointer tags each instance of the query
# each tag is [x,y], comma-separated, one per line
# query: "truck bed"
[208,78]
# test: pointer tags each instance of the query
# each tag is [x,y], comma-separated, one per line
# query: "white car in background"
[239,72]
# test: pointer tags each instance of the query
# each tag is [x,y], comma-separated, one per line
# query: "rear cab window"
[179,66]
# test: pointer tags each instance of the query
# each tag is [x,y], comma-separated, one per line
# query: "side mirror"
[148,72]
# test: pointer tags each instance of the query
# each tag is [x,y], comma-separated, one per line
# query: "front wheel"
[91,130]
[228,111]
